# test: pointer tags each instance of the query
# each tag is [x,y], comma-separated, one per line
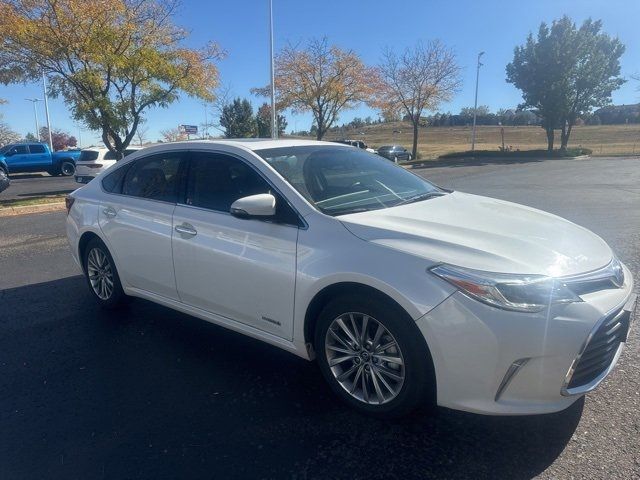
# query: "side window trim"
[182,195]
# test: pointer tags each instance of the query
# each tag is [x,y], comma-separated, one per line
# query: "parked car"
[4,181]
[95,160]
[405,293]
[395,153]
[357,144]
[36,157]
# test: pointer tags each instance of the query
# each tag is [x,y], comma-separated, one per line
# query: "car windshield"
[340,180]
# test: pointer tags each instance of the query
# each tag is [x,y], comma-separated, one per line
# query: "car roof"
[102,149]
[253,143]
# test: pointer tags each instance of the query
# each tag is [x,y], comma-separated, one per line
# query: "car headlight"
[523,293]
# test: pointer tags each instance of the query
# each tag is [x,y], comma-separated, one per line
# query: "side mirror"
[261,205]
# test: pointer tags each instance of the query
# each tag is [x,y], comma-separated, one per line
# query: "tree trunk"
[414,150]
[566,133]
[550,135]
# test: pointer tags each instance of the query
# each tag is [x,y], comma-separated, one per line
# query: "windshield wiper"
[420,197]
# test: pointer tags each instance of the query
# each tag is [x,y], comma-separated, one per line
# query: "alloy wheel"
[364,358]
[100,273]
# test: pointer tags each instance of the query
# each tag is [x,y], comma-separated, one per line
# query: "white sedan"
[405,293]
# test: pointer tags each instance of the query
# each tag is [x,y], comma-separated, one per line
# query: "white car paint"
[236,273]
[484,234]
[89,169]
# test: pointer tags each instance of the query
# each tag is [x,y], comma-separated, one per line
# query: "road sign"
[188,129]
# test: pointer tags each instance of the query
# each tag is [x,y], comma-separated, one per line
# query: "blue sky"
[467,26]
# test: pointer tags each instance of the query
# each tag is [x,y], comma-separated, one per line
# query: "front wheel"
[67,168]
[374,357]
[102,276]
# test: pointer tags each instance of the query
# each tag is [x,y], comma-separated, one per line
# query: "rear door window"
[35,148]
[155,178]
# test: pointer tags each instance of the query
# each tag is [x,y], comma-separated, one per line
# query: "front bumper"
[493,361]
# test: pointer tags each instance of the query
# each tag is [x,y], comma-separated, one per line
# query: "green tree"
[111,60]
[30,137]
[565,72]
[263,122]
[237,119]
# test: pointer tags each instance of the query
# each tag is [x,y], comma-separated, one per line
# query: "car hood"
[485,234]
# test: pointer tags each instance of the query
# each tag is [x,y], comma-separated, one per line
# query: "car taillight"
[68,202]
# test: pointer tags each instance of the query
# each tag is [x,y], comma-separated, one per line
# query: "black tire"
[116,297]
[418,389]
[67,168]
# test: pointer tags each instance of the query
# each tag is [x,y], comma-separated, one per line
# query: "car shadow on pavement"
[145,392]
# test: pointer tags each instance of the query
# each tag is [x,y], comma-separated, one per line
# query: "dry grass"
[39,200]
[435,141]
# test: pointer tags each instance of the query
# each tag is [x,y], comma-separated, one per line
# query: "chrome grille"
[601,348]
[610,276]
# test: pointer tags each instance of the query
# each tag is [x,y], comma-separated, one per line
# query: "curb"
[27,209]
[469,161]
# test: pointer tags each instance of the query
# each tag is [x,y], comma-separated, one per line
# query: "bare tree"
[419,79]
[172,135]
[6,134]
[223,97]
[141,133]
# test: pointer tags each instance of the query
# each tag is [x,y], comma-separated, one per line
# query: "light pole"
[35,114]
[274,127]
[46,109]
[475,105]
[205,132]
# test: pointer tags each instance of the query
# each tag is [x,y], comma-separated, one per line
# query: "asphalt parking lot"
[28,185]
[151,393]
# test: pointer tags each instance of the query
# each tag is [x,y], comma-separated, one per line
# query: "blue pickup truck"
[36,157]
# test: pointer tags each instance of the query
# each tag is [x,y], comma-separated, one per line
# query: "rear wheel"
[102,276]
[67,168]
[374,357]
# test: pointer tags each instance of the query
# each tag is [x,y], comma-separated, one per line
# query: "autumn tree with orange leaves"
[419,79]
[319,78]
[111,60]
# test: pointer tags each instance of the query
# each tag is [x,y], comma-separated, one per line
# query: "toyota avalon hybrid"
[406,294]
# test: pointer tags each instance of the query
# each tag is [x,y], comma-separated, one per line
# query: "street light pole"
[475,105]
[274,127]
[46,109]
[35,114]
[205,133]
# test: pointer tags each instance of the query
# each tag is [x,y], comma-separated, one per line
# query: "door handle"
[109,212]
[186,229]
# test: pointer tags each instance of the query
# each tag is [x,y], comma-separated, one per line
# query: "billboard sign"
[188,129]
